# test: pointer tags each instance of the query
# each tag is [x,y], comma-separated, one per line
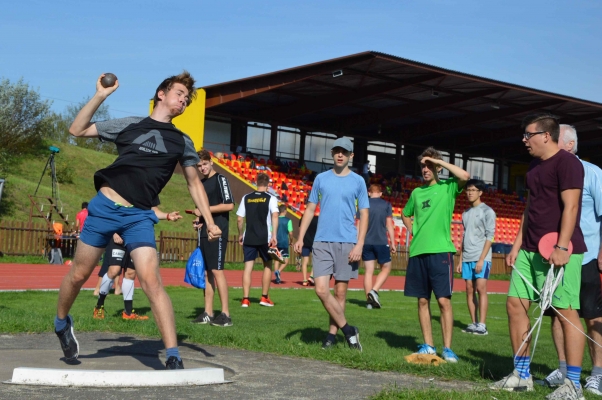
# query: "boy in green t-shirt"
[430,267]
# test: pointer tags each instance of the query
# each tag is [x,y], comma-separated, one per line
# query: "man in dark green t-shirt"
[430,267]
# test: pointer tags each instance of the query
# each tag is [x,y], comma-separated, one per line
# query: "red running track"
[49,277]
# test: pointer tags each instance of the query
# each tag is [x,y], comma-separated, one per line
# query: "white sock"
[106,284]
[127,287]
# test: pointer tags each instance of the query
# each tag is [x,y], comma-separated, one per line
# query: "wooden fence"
[25,238]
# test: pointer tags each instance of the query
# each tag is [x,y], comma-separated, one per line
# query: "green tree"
[24,121]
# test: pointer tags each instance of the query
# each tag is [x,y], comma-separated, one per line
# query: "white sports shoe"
[568,391]
[592,384]
[513,383]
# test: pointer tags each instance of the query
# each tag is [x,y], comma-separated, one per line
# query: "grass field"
[297,325]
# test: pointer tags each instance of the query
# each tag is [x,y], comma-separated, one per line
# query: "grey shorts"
[331,258]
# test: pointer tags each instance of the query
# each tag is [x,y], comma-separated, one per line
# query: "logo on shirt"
[117,253]
[151,142]
[257,200]
[426,204]
[226,190]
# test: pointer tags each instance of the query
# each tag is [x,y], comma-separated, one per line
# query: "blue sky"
[61,47]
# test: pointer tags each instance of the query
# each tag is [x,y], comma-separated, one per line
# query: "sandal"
[305,283]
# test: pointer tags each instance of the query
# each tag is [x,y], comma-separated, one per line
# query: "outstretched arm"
[82,126]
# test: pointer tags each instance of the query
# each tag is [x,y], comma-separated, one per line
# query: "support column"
[238,135]
[500,175]
[302,136]
[273,141]
[452,157]
[464,162]
[360,151]
[400,164]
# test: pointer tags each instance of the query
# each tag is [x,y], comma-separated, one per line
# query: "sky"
[60,48]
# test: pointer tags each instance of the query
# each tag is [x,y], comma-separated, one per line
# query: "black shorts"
[284,252]
[306,251]
[252,251]
[115,254]
[590,295]
[380,252]
[214,253]
[430,273]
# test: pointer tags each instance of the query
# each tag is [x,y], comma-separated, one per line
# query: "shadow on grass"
[398,341]
[251,299]
[359,303]
[309,335]
[457,324]
[495,366]
[200,310]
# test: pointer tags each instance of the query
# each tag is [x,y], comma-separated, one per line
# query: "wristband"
[167,217]
[560,248]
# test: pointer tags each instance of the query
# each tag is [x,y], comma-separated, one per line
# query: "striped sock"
[521,364]
[574,374]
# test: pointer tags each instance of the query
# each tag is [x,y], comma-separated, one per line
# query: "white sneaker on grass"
[553,380]
[514,383]
[568,391]
[592,384]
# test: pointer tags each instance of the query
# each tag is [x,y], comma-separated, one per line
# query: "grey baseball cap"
[343,142]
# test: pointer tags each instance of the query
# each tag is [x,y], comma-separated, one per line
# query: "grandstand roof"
[380,97]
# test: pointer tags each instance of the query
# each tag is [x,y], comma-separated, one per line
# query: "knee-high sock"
[127,287]
[106,284]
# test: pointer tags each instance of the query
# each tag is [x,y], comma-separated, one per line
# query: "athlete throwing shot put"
[149,150]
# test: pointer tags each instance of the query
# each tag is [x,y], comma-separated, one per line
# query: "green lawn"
[297,325]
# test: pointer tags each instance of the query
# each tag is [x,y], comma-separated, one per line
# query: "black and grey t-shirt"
[380,210]
[148,153]
[218,192]
[258,208]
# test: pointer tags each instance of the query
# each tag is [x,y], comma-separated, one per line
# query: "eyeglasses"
[529,135]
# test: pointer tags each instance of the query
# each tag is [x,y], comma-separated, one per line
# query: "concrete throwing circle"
[105,360]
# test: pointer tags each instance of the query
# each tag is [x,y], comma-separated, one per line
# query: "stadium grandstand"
[284,123]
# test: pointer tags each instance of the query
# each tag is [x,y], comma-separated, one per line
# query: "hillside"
[85,162]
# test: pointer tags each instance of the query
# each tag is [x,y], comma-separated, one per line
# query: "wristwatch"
[560,248]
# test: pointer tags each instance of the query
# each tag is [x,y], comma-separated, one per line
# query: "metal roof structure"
[380,97]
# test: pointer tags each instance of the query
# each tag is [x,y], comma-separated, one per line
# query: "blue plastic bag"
[195,269]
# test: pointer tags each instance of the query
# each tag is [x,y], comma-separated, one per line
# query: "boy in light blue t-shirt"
[337,247]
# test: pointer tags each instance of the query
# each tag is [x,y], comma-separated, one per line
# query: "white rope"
[545,301]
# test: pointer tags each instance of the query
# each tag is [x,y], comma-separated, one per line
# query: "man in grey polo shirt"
[475,256]
[338,246]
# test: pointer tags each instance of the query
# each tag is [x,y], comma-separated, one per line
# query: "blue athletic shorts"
[135,226]
[430,273]
[380,252]
[250,252]
[306,251]
[468,270]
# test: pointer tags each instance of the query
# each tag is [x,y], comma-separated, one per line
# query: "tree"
[24,121]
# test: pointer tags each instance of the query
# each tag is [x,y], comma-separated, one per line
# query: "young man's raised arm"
[82,126]
[456,171]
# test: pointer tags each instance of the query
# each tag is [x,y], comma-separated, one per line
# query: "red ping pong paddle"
[189,211]
[547,243]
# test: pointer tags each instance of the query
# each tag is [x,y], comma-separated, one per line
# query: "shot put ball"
[108,80]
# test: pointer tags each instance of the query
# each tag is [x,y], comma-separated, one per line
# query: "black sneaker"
[374,300]
[68,341]
[173,363]
[222,320]
[327,343]
[354,340]
[204,318]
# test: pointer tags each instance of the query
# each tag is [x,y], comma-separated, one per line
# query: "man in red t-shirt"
[555,182]
[81,216]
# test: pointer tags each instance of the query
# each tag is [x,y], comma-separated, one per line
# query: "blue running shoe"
[449,355]
[277,273]
[426,349]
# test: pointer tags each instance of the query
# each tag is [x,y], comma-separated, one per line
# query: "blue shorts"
[250,252]
[135,226]
[468,270]
[380,252]
[306,251]
[284,252]
[430,273]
